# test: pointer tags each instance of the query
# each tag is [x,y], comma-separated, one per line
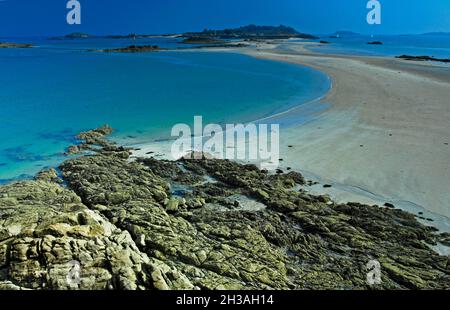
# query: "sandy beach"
[270,149]
[383,136]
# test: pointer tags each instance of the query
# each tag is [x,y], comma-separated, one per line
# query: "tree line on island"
[252,32]
[223,38]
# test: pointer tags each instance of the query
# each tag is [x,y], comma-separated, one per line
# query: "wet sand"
[385,134]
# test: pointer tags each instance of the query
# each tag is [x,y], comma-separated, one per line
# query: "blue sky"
[48,17]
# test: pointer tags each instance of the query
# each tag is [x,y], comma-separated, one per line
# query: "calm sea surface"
[416,45]
[57,89]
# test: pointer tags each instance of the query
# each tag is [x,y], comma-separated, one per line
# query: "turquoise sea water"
[393,45]
[57,89]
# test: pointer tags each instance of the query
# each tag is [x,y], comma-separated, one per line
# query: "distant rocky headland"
[143,223]
[15,45]
[423,58]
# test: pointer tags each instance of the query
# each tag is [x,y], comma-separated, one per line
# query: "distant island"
[72,36]
[138,36]
[423,58]
[15,45]
[252,32]
[202,40]
[132,49]
[207,36]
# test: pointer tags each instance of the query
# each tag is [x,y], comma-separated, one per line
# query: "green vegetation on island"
[252,32]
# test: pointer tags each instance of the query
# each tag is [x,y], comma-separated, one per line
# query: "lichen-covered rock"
[201,224]
[47,228]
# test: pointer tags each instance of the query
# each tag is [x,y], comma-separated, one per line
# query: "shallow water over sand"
[51,92]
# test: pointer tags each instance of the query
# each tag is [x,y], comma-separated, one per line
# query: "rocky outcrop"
[202,40]
[132,49]
[200,224]
[15,45]
[423,58]
[46,227]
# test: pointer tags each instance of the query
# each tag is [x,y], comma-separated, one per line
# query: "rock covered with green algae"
[228,256]
[131,227]
[44,227]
